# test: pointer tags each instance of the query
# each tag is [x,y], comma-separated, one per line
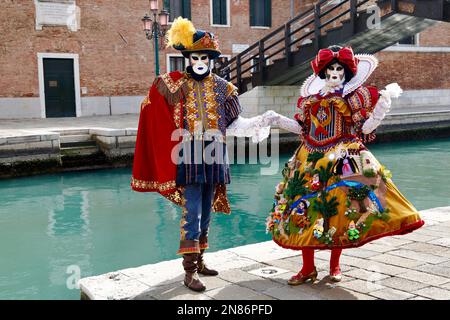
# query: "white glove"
[393,90]
[254,127]
[273,118]
[382,107]
[259,127]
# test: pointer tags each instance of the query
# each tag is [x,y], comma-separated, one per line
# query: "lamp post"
[155,28]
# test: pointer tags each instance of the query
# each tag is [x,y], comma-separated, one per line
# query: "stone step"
[72,131]
[79,151]
[78,144]
[75,138]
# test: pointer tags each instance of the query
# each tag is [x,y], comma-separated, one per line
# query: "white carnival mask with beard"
[199,63]
[335,75]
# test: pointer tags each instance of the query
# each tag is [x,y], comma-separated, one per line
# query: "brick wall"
[412,70]
[417,69]
[109,65]
[436,36]
[117,60]
[240,31]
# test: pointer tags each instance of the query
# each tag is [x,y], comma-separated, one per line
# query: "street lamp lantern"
[154,5]
[164,18]
[155,28]
[147,23]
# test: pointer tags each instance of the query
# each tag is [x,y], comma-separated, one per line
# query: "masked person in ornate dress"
[334,193]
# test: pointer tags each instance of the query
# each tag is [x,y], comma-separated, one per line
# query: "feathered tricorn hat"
[184,37]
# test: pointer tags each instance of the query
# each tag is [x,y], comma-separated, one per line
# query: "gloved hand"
[382,107]
[270,118]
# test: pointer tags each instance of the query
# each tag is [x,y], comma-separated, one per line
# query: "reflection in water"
[93,220]
[68,222]
[70,215]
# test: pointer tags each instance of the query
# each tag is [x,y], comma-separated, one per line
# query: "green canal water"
[93,221]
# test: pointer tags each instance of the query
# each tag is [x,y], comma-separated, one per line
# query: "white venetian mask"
[335,75]
[199,63]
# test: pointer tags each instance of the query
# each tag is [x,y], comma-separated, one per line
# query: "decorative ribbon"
[344,183]
[341,106]
[344,56]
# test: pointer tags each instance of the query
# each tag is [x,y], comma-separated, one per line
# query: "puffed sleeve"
[232,106]
[362,102]
[302,113]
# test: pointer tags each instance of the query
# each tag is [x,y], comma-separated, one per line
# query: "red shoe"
[336,275]
[299,278]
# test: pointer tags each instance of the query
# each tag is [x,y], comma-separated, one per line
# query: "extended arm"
[259,127]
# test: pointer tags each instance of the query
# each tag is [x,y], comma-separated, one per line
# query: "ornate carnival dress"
[334,192]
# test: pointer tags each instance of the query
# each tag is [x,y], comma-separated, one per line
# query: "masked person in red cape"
[181,148]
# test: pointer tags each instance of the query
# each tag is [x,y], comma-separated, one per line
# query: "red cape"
[153,169]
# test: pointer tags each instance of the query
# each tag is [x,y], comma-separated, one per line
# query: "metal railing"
[306,28]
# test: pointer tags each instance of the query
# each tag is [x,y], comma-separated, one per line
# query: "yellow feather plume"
[181,33]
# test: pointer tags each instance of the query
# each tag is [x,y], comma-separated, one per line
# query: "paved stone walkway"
[398,115]
[414,266]
[20,126]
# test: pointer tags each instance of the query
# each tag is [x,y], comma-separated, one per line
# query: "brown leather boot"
[191,279]
[202,268]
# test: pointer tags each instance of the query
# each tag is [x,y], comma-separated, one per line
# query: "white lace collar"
[367,64]
[326,89]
